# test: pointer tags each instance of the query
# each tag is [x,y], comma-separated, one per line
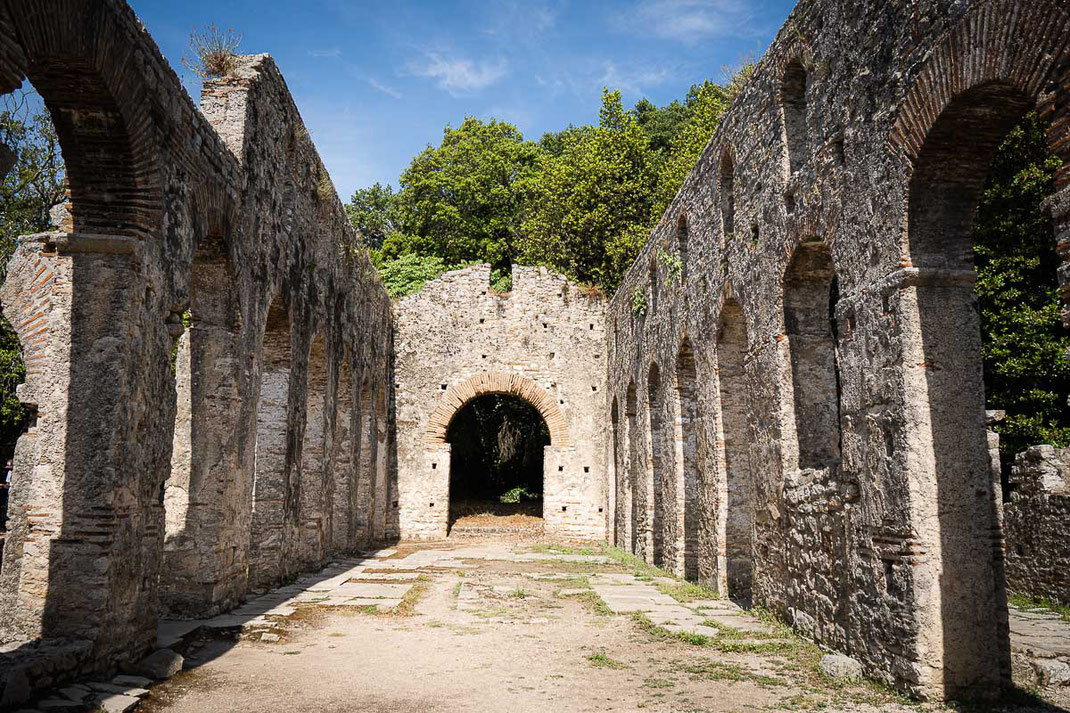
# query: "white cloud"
[459,76]
[687,21]
[633,80]
[333,52]
[520,17]
[390,91]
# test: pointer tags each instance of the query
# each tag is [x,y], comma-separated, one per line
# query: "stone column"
[207,503]
[83,556]
[957,576]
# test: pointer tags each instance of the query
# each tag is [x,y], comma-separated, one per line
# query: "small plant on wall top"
[638,301]
[212,52]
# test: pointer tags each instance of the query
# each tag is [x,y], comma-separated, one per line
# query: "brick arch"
[458,395]
[107,121]
[1028,53]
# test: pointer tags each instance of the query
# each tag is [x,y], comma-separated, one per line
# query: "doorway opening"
[496,466]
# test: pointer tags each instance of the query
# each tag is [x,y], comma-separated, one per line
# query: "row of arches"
[667,468]
[871,493]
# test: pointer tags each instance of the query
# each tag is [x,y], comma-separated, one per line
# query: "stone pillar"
[83,557]
[957,579]
[312,545]
[571,484]
[207,497]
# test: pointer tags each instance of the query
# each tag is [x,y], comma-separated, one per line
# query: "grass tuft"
[600,660]
[212,52]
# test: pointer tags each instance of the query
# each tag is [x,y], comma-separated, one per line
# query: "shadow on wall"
[945,190]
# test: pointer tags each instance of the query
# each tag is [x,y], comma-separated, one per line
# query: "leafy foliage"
[593,205]
[581,201]
[638,300]
[374,213]
[35,184]
[409,273]
[462,201]
[1024,343]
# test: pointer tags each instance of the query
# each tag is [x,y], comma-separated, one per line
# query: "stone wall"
[783,400]
[147,334]
[1037,520]
[544,342]
[842,465]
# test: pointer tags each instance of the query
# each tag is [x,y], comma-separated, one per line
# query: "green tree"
[1024,343]
[407,274]
[706,103]
[373,212]
[590,209]
[661,125]
[462,201]
[35,184]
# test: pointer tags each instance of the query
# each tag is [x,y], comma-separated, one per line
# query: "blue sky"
[377,81]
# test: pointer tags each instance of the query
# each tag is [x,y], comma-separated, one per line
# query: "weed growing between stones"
[600,660]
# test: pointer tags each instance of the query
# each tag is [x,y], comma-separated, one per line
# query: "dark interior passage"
[496,460]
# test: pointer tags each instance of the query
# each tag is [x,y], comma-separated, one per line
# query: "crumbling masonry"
[783,400]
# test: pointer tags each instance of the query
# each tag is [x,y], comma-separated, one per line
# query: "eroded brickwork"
[1037,520]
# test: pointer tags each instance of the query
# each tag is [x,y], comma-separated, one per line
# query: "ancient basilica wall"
[794,359]
[197,332]
[543,342]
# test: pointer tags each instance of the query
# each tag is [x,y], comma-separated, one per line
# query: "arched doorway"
[496,465]
[956,489]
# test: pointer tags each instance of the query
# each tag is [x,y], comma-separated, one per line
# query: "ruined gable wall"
[849,552]
[548,334]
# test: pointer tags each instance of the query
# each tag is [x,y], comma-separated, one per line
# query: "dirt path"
[505,631]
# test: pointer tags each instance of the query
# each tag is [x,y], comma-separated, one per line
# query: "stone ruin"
[783,400]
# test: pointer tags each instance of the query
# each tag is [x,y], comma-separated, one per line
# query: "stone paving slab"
[1039,634]
[626,594]
[394,576]
[371,590]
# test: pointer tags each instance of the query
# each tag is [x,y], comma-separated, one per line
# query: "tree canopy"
[580,201]
[1027,373]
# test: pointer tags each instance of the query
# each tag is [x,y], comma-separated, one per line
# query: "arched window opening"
[735,490]
[29,146]
[687,457]
[966,328]
[271,489]
[660,463]
[809,300]
[496,465]
[793,105]
[728,196]
[682,238]
[652,274]
[631,414]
